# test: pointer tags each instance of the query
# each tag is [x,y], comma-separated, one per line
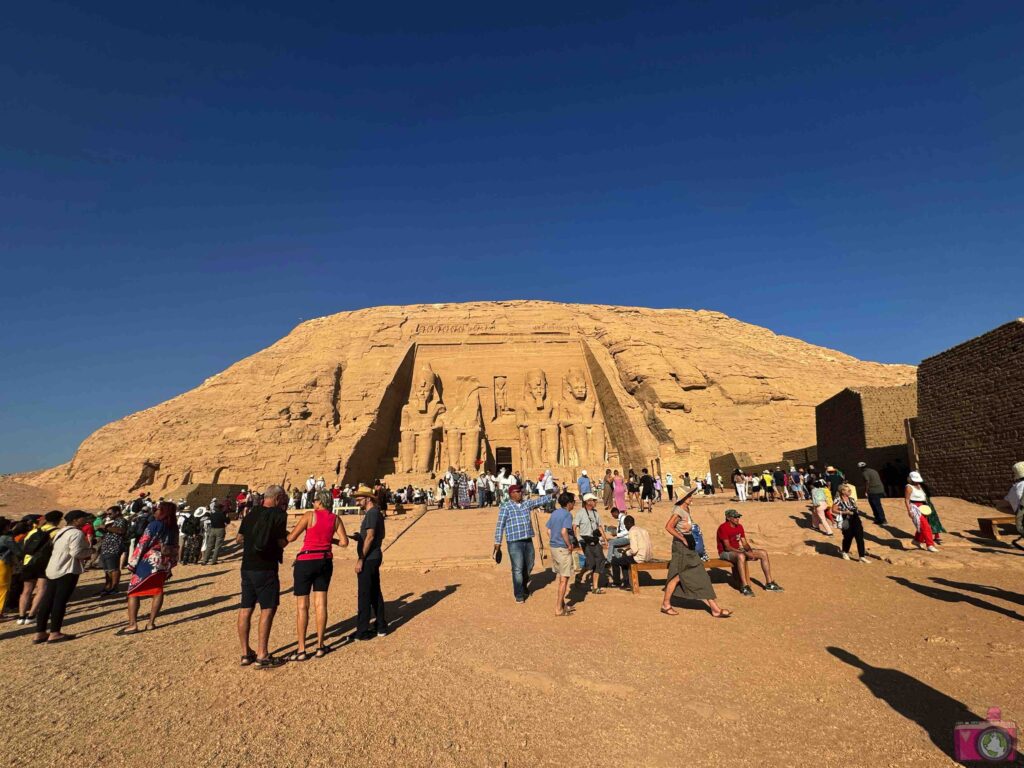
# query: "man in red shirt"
[734,547]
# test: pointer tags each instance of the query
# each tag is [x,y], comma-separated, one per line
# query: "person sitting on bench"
[734,548]
[639,551]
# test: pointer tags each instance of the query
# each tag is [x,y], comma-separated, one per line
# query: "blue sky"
[180,185]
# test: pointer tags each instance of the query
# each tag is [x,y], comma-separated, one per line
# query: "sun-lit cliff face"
[400,392]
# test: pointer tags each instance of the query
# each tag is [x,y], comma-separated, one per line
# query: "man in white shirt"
[640,551]
[668,486]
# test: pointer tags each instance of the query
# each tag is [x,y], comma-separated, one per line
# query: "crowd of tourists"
[43,556]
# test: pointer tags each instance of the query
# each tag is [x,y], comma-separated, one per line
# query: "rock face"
[400,392]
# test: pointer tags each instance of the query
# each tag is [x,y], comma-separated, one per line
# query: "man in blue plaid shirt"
[514,522]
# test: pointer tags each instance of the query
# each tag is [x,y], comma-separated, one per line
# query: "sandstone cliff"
[402,391]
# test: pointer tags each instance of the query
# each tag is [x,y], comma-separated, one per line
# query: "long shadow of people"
[399,611]
[933,710]
[948,596]
[981,589]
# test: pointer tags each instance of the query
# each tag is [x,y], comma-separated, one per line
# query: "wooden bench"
[662,565]
[989,526]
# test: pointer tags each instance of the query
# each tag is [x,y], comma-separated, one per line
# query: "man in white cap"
[875,490]
[590,534]
[583,483]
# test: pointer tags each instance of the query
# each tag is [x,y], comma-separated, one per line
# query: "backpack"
[190,526]
[38,549]
[139,526]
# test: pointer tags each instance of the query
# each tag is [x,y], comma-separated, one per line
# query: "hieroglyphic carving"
[538,431]
[501,404]
[582,429]
[420,422]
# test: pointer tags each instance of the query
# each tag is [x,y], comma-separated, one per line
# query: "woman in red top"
[314,567]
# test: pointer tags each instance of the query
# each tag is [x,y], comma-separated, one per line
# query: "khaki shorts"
[561,562]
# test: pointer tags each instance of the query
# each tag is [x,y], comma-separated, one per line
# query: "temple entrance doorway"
[503,460]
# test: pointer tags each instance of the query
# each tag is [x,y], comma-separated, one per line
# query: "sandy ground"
[853,665]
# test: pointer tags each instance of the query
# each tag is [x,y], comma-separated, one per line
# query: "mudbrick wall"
[865,424]
[970,426]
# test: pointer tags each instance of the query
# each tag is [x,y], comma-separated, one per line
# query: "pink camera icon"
[992,741]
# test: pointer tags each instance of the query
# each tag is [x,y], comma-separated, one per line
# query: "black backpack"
[190,526]
[38,549]
[139,526]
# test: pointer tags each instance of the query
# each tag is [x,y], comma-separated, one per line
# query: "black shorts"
[263,587]
[647,494]
[313,575]
[30,572]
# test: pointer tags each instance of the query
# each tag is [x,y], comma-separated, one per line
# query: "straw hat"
[364,491]
[1018,471]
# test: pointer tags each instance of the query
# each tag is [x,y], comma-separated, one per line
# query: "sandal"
[725,613]
[61,639]
[297,656]
[126,631]
[670,611]
[248,659]
[598,591]
[322,651]
[271,662]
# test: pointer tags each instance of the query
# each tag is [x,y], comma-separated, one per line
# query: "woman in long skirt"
[151,563]
[686,569]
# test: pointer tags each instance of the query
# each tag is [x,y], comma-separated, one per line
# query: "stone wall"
[970,428]
[865,424]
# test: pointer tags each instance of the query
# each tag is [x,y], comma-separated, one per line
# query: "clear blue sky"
[182,183]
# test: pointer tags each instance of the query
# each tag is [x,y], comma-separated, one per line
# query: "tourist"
[621,538]
[796,483]
[767,486]
[590,534]
[9,553]
[739,482]
[669,488]
[37,547]
[874,490]
[583,483]
[151,563]
[821,506]
[686,569]
[848,519]
[657,488]
[918,510]
[217,523]
[115,539]
[734,548]
[646,483]
[369,558]
[1015,496]
[516,526]
[834,478]
[633,489]
[718,480]
[314,566]
[608,490]
[638,551]
[263,535]
[560,526]
[70,553]
[620,491]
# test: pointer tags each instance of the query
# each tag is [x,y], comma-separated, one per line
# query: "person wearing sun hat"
[920,512]
[369,556]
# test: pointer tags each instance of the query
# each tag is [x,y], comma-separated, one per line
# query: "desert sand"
[853,665]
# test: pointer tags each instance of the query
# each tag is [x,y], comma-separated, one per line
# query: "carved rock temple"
[400,393]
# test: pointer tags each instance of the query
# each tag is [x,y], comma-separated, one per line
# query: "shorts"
[313,575]
[647,495]
[262,587]
[731,557]
[30,572]
[593,557]
[561,562]
[111,563]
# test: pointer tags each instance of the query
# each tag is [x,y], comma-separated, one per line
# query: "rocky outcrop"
[345,397]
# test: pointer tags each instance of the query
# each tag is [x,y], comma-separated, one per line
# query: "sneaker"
[382,633]
[771,586]
[845,556]
[864,560]
[746,591]
[933,549]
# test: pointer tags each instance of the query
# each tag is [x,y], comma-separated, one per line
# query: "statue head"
[537,386]
[576,384]
[423,387]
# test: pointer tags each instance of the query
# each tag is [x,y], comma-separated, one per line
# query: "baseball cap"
[732,513]
[515,488]
[589,497]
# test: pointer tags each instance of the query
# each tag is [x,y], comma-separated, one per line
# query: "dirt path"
[852,666]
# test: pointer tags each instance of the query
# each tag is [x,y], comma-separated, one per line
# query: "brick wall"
[866,424]
[970,425]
